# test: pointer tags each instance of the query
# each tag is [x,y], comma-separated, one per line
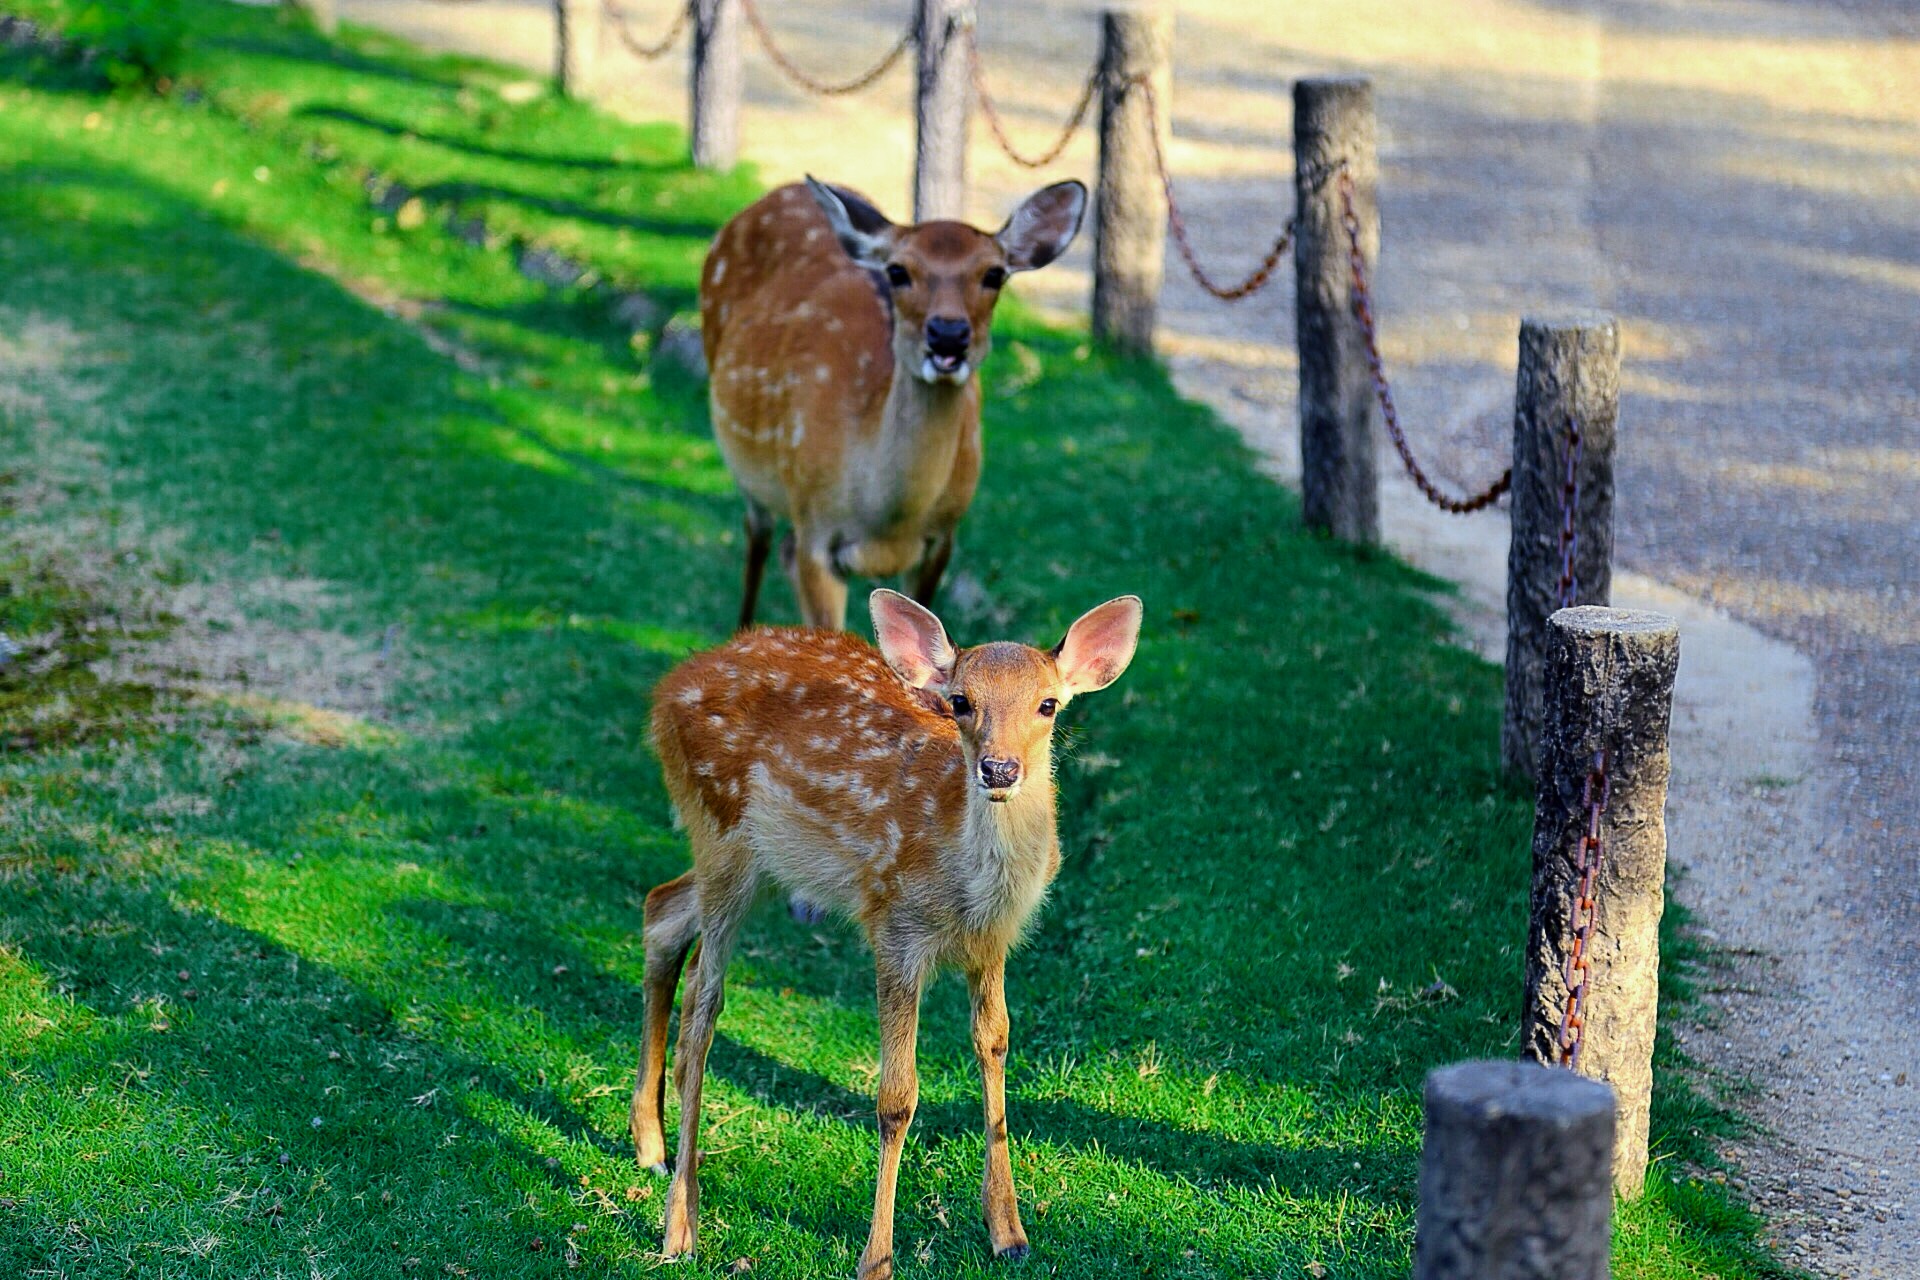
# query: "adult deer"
[841,350]
[912,788]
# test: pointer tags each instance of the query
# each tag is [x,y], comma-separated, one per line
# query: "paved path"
[1739,180]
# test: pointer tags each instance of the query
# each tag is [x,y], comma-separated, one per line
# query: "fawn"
[841,351]
[911,788]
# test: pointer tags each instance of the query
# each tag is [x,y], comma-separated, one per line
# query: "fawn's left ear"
[1099,645]
[1043,226]
[911,639]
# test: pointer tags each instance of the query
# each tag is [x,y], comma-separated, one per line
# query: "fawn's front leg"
[1002,1206]
[899,1094]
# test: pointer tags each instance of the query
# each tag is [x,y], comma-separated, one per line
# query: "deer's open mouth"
[1000,795]
[945,366]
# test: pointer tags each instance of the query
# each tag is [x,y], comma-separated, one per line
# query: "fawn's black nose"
[947,336]
[999,774]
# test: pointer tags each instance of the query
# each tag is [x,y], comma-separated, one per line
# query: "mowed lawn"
[344,557]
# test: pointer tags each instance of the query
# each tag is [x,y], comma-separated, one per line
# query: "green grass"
[288,992]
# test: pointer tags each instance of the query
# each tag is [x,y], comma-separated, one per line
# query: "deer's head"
[1004,696]
[945,277]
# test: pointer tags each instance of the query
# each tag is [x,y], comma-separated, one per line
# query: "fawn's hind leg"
[672,921]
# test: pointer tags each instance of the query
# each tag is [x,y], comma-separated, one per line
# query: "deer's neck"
[1011,855]
[921,426]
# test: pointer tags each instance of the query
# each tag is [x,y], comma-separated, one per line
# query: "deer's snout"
[949,335]
[998,775]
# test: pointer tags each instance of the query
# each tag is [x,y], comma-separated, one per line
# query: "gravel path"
[1738,180]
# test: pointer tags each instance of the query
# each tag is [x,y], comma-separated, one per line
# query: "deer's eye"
[994,278]
[897,276]
[1048,706]
[961,706]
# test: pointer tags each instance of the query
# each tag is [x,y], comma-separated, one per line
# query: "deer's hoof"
[1012,1253]
[658,1167]
[806,912]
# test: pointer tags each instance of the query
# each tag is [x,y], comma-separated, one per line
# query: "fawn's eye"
[897,276]
[1048,706]
[994,278]
[961,706]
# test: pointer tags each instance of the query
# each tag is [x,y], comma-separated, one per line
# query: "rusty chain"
[646,52]
[1573,1018]
[1261,276]
[1363,310]
[823,88]
[984,97]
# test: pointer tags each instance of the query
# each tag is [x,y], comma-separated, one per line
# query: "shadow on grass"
[469,146]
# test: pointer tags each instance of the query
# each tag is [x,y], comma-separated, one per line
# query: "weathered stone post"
[1569,374]
[1601,804]
[1339,433]
[1130,202]
[1513,1175]
[715,94]
[942,99]
[576,45]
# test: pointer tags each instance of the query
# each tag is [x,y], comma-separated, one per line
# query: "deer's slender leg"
[933,566]
[1002,1206]
[699,1011]
[822,591]
[759,543]
[899,1094]
[672,921]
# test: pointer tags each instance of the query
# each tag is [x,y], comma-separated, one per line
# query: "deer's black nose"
[999,773]
[946,336]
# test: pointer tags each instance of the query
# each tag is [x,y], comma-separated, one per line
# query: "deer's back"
[798,342]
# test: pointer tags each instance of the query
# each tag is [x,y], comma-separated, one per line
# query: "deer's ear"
[911,639]
[862,230]
[1099,645]
[1043,226]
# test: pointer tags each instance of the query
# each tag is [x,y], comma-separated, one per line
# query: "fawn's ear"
[862,230]
[911,639]
[1043,226]
[1099,645]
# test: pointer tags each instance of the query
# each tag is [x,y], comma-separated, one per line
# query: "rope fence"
[623,32]
[812,84]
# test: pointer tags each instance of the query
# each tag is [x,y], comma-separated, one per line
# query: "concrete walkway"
[1739,181]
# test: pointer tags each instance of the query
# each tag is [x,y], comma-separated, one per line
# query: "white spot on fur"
[719,269]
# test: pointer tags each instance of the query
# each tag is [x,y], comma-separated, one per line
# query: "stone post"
[1609,685]
[715,91]
[1339,433]
[1130,202]
[576,46]
[1569,373]
[1513,1175]
[942,99]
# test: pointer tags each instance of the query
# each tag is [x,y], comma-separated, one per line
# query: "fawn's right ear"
[862,230]
[1099,645]
[911,639]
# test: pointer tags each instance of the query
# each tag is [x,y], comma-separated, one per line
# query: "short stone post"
[1569,374]
[715,90]
[576,46]
[1601,804]
[1513,1175]
[1339,432]
[324,14]
[1130,202]
[943,97]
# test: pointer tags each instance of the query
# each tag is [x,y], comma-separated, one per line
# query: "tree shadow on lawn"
[468,146]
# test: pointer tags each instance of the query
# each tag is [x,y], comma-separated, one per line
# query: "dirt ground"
[1737,180]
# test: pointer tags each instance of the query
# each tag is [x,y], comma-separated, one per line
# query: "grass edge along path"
[291,987]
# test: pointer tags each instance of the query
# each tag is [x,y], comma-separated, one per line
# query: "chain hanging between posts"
[1363,310]
[977,70]
[1261,276]
[646,52]
[800,77]
[1573,1018]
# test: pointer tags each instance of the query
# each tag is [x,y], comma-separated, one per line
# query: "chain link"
[646,52]
[823,88]
[984,97]
[1363,310]
[1579,965]
[1262,275]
